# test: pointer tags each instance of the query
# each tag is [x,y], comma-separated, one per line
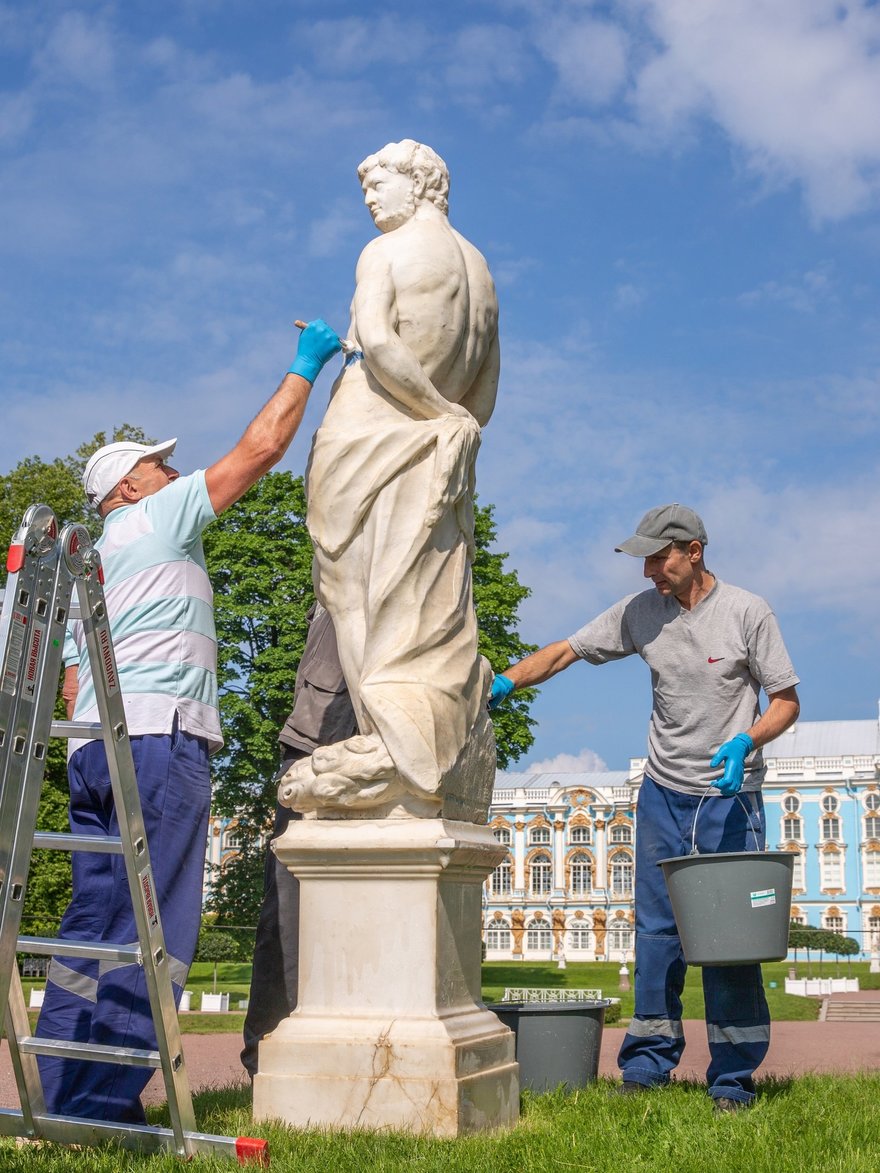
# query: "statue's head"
[400,177]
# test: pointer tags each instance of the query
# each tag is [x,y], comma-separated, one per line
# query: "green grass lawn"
[233,978]
[815,1123]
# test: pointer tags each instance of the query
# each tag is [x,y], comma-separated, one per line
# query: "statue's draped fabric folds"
[390,491]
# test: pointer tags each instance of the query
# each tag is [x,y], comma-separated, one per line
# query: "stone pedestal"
[389,1032]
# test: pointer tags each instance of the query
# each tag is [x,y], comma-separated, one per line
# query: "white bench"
[549,994]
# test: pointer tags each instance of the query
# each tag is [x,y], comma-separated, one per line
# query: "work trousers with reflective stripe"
[107,1003]
[737,1017]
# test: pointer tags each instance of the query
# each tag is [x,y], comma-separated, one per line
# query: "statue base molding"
[389,1032]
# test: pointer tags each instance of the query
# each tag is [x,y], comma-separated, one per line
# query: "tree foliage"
[260,558]
[822,940]
[215,947]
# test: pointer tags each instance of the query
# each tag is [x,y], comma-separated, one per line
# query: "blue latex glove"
[502,687]
[733,753]
[317,343]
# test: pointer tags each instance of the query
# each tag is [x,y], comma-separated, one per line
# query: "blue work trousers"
[737,1017]
[107,1002]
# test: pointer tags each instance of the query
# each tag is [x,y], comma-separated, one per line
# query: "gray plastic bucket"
[732,908]
[556,1042]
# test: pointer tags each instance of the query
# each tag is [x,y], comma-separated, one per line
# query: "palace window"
[541,876]
[498,935]
[798,879]
[620,940]
[621,877]
[581,875]
[580,938]
[231,841]
[872,869]
[792,827]
[872,827]
[872,802]
[830,803]
[579,834]
[539,835]
[621,834]
[501,881]
[832,869]
[791,804]
[539,936]
[502,834]
[834,924]
[831,827]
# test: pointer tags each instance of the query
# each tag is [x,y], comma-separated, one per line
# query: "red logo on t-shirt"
[715,659]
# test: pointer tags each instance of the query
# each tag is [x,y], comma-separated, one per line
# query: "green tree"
[215,947]
[56,483]
[260,559]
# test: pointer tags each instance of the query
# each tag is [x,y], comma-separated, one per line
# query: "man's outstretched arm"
[268,436]
[534,669]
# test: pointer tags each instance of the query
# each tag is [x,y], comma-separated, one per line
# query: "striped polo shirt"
[161,609]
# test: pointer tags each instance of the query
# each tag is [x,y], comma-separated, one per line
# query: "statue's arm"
[388,357]
[480,396]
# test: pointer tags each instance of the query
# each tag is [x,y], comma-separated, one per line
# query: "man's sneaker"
[630,1088]
[724,1104]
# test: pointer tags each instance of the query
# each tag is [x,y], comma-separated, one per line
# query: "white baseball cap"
[110,464]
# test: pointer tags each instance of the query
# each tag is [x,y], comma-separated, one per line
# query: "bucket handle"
[697,815]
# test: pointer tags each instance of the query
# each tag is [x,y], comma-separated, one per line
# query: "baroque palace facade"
[566,886]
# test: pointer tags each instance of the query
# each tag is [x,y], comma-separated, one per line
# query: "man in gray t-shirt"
[711,649]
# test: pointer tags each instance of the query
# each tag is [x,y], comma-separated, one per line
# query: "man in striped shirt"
[160,604]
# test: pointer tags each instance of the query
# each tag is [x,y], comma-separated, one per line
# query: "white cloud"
[590,57]
[342,221]
[585,762]
[805,294]
[793,84]
[486,56]
[355,44]
[628,296]
[79,50]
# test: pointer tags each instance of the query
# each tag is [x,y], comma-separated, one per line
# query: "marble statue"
[390,512]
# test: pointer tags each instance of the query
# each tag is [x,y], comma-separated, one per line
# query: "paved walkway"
[796,1048]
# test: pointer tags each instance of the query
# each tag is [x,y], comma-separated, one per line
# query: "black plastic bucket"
[556,1042]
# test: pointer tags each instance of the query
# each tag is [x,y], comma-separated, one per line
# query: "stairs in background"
[850,1010]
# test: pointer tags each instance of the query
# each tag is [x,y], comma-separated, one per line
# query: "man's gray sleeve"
[769,661]
[605,638]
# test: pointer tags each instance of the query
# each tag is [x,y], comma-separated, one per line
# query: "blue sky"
[678,199]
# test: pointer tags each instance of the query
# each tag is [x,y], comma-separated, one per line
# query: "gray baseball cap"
[660,526]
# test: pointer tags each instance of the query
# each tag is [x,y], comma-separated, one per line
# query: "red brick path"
[796,1048]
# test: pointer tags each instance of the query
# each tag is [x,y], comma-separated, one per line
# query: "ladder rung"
[87,729]
[74,611]
[64,1048]
[65,841]
[49,947]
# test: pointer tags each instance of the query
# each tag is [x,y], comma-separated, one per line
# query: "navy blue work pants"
[737,1017]
[107,1002]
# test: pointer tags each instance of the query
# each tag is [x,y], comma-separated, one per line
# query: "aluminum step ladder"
[43,569]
